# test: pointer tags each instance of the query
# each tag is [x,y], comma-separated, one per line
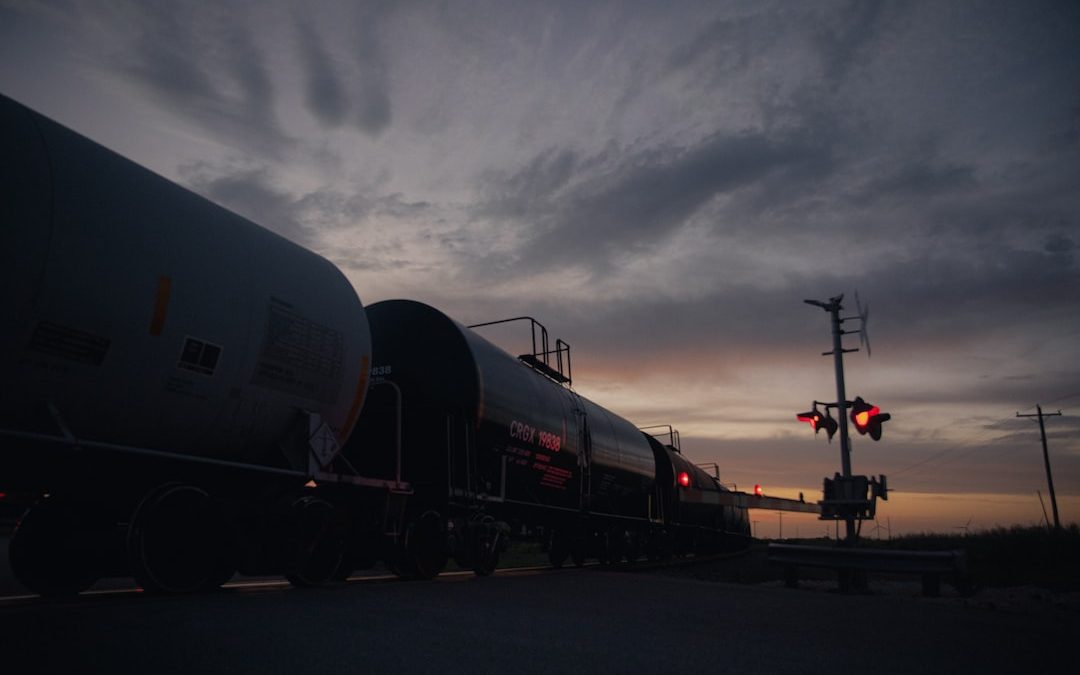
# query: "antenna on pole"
[864,317]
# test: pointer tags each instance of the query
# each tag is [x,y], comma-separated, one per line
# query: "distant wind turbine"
[878,527]
[965,526]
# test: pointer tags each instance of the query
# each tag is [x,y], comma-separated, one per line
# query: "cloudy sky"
[661,183]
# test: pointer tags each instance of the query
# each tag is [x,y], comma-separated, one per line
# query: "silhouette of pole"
[1046,518]
[1046,460]
[833,307]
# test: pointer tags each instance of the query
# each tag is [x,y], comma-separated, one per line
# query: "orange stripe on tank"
[161,305]
[358,399]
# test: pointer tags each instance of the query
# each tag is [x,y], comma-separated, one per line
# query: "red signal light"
[867,417]
[813,417]
[862,418]
[684,479]
[757,490]
[817,421]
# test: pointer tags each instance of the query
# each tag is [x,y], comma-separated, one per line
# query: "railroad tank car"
[157,348]
[145,315]
[485,433]
[197,395]
[698,511]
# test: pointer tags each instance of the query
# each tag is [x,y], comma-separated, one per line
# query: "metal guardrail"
[852,564]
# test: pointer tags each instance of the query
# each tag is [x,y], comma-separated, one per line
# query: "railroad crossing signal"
[868,418]
[818,421]
[865,422]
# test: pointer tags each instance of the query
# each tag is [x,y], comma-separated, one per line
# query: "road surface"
[582,621]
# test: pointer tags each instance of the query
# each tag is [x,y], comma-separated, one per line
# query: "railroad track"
[256,584]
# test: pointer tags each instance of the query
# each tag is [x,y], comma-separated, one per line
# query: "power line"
[966,444]
[941,453]
[1055,400]
[1061,398]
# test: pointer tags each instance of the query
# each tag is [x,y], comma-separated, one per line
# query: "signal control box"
[851,497]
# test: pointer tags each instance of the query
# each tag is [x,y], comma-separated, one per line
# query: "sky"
[661,184]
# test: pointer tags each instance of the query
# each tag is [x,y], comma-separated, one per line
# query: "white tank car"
[144,315]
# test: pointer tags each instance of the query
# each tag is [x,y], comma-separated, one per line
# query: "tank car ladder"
[584,455]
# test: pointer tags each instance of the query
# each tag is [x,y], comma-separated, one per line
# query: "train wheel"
[558,550]
[53,552]
[221,575]
[400,568]
[617,545]
[578,552]
[633,547]
[176,541]
[316,544]
[604,548]
[652,548]
[488,544]
[362,548]
[426,546]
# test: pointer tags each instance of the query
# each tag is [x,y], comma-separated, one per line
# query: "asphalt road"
[590,620]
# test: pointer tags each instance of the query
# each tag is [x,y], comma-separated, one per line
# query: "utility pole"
[1046,460]
[833,307]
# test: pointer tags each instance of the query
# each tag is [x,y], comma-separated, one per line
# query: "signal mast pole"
[833,307]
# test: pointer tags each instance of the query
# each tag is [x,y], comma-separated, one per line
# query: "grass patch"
[1012,556]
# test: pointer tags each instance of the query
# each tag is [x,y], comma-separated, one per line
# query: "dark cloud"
[956,294]
[202,64]
[725,44]
[372,81]
[834,40]
[1059,243]
[847,36]
[936,301]
[591,211]
[252,193]
[995,388]
[354,90]
[729,45]
[311,219]
[919,178]
[324,93]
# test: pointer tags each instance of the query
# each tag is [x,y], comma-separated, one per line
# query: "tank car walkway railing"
[540,358]
[672,436]
[851,565]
